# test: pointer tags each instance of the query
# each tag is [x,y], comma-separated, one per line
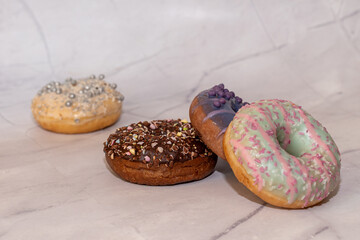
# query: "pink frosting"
[290,180]
[314,169]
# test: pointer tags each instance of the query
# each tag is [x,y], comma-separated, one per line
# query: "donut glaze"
[211,112]
[282,154]
[77,106]
[160,152]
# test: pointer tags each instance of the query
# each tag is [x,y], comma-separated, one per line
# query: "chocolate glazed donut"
[160,152]
[211,112]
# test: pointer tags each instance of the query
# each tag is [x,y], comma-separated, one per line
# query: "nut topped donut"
[282,154]
[77,106]
[161,152]
[211,112]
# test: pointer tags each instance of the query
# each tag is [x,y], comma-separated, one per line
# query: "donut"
[159,152]
[282,154]
[77,106]
[211,111]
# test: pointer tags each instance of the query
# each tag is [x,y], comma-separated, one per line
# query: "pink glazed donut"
[282,154]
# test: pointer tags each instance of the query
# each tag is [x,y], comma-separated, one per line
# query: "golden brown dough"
[77,106]
[246,179]
[211,112]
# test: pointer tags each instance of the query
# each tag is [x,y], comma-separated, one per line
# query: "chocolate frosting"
[156,142]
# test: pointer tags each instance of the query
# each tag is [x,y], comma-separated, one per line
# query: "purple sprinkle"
[222,100]
[147,158]
[216,88]
[221,85]
[212,93]
[232,94]
[246,103]
[238,99]
[217,104]
[221,93]
[227,96]
[226,90]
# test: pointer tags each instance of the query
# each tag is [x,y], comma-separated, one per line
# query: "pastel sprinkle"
[313,173]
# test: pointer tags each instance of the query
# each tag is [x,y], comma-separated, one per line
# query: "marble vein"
[262,23]
[340,22]
[228,64]
[41,34]
[33,151]
[167,109]
[319,231]
[350,15]
[341,5]
[26,211]
[321,25]
[30,137]
[132,63]
[349,39]
[238,222]
[350,151]
[134,114]
[10,228]
[335,20]
[251,56]
[6,120]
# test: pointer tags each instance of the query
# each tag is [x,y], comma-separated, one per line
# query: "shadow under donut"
[224,168]
[111,170]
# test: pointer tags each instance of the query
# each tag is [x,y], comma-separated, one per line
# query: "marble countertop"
[161,54]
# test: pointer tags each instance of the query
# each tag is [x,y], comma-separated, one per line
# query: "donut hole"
[287,147]
[296,146]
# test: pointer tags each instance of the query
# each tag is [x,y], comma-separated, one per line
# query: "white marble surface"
[161,53]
